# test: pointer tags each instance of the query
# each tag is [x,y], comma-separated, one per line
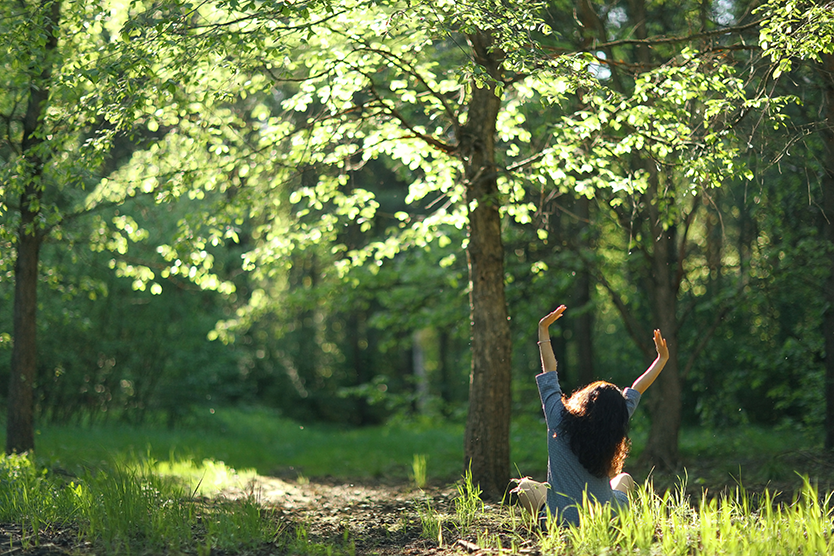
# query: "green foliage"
[795,29]
[682,115]
[771,232]
[106,351]
[367,91]
[298,162]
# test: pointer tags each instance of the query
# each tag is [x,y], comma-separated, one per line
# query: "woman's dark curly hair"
[596,421]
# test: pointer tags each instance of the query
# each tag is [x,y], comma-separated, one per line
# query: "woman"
[587,438]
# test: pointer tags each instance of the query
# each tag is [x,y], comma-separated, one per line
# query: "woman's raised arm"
[647,378]
[545,349]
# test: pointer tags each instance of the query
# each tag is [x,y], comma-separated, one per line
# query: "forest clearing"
[395,505]
[324,277]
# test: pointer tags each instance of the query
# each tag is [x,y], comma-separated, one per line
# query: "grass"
[139,490]
[419,470]
[467,504]
[124,510]
[261,441]
[668,523]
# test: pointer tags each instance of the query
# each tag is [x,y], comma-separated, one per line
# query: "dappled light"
[416,277]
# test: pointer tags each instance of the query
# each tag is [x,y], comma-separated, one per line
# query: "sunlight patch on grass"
[263,442]
[207,478]
[126,509]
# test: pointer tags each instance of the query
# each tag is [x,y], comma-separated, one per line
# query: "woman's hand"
[660,346]
[552,317]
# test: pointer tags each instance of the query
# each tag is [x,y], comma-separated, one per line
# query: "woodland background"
[281,204]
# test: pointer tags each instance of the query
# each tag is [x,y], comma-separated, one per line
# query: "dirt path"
[329,517]
[376,518]
[383,518]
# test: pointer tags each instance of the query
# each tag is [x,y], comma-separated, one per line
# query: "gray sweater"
[566,477]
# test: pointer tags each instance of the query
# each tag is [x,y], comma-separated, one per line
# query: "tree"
[487,438]
[363,95]
[827,223]
[69,93]
[367,85]
[27,154]
[265,113]
[660,137]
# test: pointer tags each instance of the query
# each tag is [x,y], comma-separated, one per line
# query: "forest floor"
[321,517]
[383,518]
[379,517]
[370,517]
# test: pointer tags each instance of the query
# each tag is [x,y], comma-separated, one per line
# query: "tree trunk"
[487,437]
[665,395]
[664,401]
[445,382]
[715,248]
[20,430]
[421,376]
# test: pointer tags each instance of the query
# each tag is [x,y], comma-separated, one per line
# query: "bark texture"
[487,436]
[664,398]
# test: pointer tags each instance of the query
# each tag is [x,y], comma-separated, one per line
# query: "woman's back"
[568,479]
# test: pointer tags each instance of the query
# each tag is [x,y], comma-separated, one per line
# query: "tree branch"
[268,16]
[407,68]
[675,39]
[393,112]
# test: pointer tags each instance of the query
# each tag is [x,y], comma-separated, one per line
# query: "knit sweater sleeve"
[551,395]
[632,397]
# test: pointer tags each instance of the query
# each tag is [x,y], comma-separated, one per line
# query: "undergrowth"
[668,523]
[131,509]
[126,510]
[116,503]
